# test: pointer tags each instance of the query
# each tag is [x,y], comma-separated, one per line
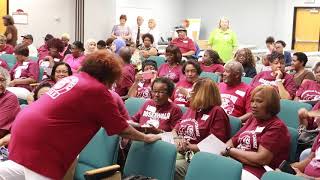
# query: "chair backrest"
[183,109]
[204,166]
[159,60]
[134,104]
[41,71]
[101,151]
[35,59]
[246,80]
[235,124]
[155,160]
[293,144]
[213,76]
[289,112]
[10,59]
[276,175]
[22,101]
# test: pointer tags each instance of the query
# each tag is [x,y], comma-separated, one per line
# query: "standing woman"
[121,30]
[246,58]
[11,30]
[223,40]
[76,57]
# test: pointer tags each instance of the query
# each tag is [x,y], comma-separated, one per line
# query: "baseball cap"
[48,37]
[181,29]
[28,36]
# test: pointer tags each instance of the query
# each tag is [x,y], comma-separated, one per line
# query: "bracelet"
[228,150]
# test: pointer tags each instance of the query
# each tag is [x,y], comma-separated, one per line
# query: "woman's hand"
[150,138]
[192,147]
[303,116]
[139,77]
[12,83]
[180,144]
[182,91]
[279,74]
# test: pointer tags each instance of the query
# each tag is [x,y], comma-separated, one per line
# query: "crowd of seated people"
[177,82]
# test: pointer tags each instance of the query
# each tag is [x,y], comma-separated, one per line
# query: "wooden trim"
[7,6]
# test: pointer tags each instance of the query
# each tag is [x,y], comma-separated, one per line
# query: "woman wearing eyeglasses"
[159,114]
[204,117]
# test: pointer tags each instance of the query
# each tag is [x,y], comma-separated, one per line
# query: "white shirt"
[156,36]
[33,51]
[134,33]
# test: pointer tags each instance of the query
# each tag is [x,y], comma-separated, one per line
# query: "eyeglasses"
[160,92]
[2,79]
[63,72]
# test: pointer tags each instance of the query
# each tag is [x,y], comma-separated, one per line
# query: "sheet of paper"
[212,144]
[167,137]
[267,168]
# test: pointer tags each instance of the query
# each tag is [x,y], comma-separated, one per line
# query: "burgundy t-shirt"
[144,90]
[236,99]
[266,78]
[271,134]
[197,125]
[309,90]
[120,105]
[4,64]
[175,74]
[126,80]
[185,45]
[9,108]
[27,69]
[163,117]
[43,51]
[311,123]
[313,168]
[212,68]
[179,98]
[47,136]
[8,49]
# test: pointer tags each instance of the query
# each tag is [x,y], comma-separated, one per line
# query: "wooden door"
[307,29]
[3,11]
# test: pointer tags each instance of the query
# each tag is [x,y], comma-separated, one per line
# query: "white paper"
[212,144]
[133,124]
[267,168]
[167,137]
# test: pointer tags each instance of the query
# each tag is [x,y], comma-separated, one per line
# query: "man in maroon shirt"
[235,95]
[128,75]
[185,44]
[47,136]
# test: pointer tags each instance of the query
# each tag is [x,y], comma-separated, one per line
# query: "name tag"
[185,41]
[259,129]
[240,93]
[205,117]
[25,63]
[151,109]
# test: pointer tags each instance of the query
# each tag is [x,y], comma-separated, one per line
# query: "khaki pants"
[181,167]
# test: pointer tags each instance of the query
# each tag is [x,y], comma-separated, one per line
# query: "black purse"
[307,137]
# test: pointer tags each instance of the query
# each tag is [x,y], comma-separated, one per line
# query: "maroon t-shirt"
[266,78]
[212,68]
[271,134]
[197,125]
[236,99]
[175,74]
[9,108]
[144,90]
[27,69]
[8,49]
[179,98]
[43,51]
[185,45]
[313,168]
[163,117]
[47,136]
[4,64]
[311,123]
[309,90]
[126,80]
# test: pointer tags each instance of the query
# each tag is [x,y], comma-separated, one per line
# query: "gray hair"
[5,74]
[236,67]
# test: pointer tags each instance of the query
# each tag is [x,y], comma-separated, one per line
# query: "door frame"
[293,40]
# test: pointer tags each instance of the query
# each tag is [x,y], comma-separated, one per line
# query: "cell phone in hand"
[286,167]
[147,75]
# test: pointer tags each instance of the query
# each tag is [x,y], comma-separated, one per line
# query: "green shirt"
[224,42]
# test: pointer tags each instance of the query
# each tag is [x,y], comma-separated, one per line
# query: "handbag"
[307,137]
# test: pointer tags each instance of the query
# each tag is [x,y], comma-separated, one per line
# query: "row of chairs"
[158,159]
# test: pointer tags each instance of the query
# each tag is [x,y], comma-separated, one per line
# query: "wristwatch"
[228,150]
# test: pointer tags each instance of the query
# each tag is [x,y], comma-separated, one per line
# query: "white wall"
[43,15]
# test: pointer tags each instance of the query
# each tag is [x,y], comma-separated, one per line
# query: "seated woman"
[264,139]
[4,47]
[203,118]
[191,69]
[307,120]
[172,68]
[277,77]
[9,105]
[309,167]
[246,58]
[43,50]
[299,61]
[109,42]
[91,46]
[159,114]
[39,91]
[76,57]
[310,90]
[211,62]
[146,49]
[142,85]
[23,73]
[117,44]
